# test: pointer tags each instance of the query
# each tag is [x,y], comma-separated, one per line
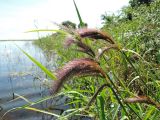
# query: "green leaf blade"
[78,14]
[43,68]
[47,30]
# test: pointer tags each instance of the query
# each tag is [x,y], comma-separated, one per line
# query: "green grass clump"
[108,77]
[131,67]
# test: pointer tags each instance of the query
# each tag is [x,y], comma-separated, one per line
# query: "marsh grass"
[103,78]
[118,99]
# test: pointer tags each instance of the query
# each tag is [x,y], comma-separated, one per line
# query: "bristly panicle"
[69,41]
[85,48]
[142,99]
[82,46]
[76,68]
[95,34]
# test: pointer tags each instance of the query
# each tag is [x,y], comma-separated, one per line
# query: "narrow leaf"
[101,103]
[79,16]
[39,65]
[47,30]
[41,111]
[149,113]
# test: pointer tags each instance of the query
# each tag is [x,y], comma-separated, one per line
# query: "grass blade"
[23,98]
[51,75]
[149,113]
[41,111]
[101,104]
[79,16]
[47,30]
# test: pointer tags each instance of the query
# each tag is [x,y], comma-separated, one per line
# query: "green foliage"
[141,34]
[43,68]
[136,3]
[81,23]
[116,74]
[133,71]
[127,83]
[101,103]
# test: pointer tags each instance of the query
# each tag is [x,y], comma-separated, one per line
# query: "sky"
[19,16]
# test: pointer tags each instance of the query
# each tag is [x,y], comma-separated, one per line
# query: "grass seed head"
[75,68]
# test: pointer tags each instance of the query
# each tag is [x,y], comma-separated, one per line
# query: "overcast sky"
[18,16]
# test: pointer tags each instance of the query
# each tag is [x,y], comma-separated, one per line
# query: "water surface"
[18,76]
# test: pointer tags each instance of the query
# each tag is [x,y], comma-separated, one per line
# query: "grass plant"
[104,77]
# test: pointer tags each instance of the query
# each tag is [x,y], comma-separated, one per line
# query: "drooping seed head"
[76,68]
[95,34]
[82,47]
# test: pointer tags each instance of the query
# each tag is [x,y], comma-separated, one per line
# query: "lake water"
[18,76]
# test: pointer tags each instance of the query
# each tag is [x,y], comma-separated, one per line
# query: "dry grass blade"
[142,99]
[94,33]
[85,48]
[75,68]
